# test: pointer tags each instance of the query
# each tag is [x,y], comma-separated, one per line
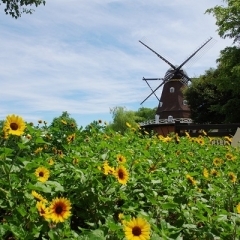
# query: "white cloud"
[84,56]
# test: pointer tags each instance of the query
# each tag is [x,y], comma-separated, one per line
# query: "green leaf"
[57,186]
[169,205]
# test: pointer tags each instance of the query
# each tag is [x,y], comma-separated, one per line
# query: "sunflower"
[232,177]
[230,157]
[42,210]
[71,138]
[38,150]
[59,209]
[137,229]
[121,174]
[39,197]
[107,169]
[214,172]
[14,125]
[205,173]
[187,134]
[121,217]
[42,174]
[64,122]
[50,161]
[200,141]
[191,179]
[228,139]
[238,208]
[121,158]
[217,161]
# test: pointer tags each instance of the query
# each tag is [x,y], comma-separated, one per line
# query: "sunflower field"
[63,182]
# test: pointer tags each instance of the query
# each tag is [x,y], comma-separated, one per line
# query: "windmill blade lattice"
[175,70]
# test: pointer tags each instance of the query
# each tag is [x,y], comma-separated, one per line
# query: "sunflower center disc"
[136,231]
[41,174]
[58,209]
[120,174]
[13,126]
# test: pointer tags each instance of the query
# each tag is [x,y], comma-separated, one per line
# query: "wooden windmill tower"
[172,106]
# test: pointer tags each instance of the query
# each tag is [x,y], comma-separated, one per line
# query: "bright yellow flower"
[59,209]
[200,141]
[14,125]
[217,161]
[121,158]
[71,138]
[121,174]
[38,150]
[230,157]
[39,197]
[120,217]
[238,208]
[107,169]
[137,229]
[64,122]
[214,172]
[167,139]
[42,210]
[191,179]
[128,125]
[50,162]
[42,174]
[228,139]
[204,133]
[187,134]
[232,177]
[205,173]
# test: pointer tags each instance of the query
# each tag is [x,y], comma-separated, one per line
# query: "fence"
[212,130]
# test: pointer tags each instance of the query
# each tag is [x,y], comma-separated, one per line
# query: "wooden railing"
[212,130]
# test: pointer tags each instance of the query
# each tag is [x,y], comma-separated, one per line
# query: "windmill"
[172,105]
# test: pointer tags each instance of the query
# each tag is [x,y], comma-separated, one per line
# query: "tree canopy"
[227,19]
[121,116]
[215,96]
[16,7]
[205,100]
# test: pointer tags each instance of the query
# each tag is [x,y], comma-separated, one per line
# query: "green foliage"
[62,126]
[229,70]
[227,19]
[188,190]
[16,7]
[215,96]
[205,99]
[145,114]
[121,116]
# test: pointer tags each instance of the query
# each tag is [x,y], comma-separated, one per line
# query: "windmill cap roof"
[171,69]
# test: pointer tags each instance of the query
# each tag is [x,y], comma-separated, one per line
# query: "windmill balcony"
[165,121]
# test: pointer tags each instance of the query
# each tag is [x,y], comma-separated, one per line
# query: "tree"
[227,19]
[121,116]
[16,7]
[145,114]
[205,99]
[229,69]
[64,123]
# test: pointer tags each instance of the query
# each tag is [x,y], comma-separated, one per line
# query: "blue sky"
[84,56]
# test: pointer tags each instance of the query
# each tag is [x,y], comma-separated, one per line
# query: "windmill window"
[160,104]
[185,102]
[172,89]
